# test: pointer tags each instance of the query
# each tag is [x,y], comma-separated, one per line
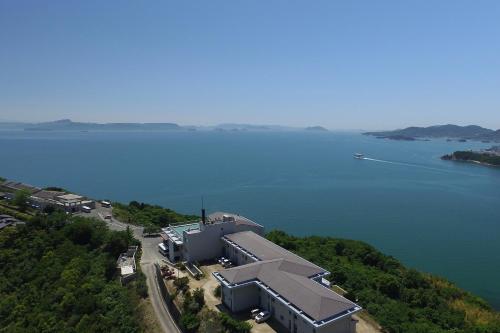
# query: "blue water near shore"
[437,216]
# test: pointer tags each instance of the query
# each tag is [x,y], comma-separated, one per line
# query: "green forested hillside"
[59,276]
[474,156]
[148,215]
[402,300]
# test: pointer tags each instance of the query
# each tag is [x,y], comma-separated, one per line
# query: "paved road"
[150,256]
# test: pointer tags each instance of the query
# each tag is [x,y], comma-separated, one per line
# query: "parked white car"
[262,317]
[254,313]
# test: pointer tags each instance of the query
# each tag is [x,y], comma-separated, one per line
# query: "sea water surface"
[437,216]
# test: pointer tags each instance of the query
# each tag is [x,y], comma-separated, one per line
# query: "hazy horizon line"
[244,124]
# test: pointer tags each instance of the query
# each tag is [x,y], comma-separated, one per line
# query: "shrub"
[210,322]
[199,297]
[21,199]
[217,291]
[182,284]
[233,325]
[189,322]
[140,285]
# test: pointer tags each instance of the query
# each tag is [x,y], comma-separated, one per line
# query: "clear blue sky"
[342,64]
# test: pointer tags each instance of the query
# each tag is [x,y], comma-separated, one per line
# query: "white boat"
[359,156]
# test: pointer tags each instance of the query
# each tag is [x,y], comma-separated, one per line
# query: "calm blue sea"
[437,216]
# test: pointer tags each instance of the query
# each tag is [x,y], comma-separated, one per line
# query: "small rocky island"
[397,137]
[316,129]
[490,157]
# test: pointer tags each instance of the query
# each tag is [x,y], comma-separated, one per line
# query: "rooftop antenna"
[203,215]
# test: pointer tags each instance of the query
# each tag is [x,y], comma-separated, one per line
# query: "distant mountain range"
[471,132]
[69,125]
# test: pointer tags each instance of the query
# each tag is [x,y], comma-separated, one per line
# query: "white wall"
[245,298]
[259,230]
[344,325]
[206,244]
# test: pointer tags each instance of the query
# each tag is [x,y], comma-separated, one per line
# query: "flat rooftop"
[176,232]
[70,197]
[221,217]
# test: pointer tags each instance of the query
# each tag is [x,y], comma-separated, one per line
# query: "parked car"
[254,313]
[163,249]
[106,204]
[262,317]
[226,263]
[107,217]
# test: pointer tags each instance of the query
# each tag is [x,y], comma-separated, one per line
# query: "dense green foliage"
[402,300]
[21,198]
[474,156]
[8,210]
[55,188]
[148,215]
[58,275]
[197,318]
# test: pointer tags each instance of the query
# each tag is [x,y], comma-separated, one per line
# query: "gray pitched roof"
[288,275]
[267,250]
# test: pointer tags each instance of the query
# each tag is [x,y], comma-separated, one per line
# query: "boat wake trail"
[418,166]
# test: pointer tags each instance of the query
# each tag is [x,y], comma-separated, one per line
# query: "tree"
[210,321]
[218,291]
[182,283]
[55,278]
[199,297]
[21,198]
[339,248]
[390,286]
[189,322]
[117,243]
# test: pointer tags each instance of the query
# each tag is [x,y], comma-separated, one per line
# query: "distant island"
[459,133]
[397,137]
[490,157]
[69,125]
[316,129]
